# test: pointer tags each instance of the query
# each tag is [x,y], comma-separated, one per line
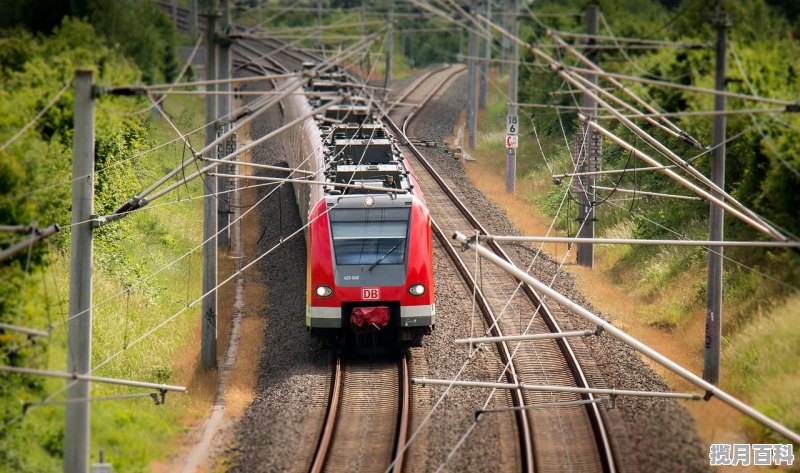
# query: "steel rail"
[403,415]
[527,447]
[323,447]
[607,453]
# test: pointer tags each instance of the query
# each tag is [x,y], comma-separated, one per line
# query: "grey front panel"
[323,317]
[417,315]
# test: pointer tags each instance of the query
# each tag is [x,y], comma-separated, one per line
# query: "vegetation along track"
[565,438]
[366,424]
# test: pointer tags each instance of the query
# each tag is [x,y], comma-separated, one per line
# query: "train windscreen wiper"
[384,256]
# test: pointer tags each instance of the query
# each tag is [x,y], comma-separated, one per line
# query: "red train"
[370,254]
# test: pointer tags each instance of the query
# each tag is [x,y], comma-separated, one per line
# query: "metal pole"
[716,214]
[208,347]
[613,331]
[389,43]
[472,118]
[79,337]
[511,153]
[587,155]
[224,104]
[484,66]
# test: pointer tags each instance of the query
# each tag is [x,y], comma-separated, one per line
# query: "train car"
[370,253]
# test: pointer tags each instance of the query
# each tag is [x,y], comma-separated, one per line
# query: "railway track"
[366,424]
[557,439]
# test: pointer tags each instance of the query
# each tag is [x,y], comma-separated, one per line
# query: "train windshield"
[370,236]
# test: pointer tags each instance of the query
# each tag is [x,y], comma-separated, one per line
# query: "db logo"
[370,293]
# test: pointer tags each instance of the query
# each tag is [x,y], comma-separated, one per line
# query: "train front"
[370,278]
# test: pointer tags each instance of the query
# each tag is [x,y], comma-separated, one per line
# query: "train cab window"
[369,236]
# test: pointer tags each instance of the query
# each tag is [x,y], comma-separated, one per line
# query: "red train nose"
[369,317]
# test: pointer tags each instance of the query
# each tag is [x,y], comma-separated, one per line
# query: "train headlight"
[324,291]
[369,201]
[416,290]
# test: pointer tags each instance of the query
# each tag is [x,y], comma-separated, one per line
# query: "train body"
[370,252]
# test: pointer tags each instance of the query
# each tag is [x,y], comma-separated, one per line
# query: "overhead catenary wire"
[622,39]
[183,71]
[167,88]
[648,193]
[763,228]
[690,88]
[312,183]
[644,71]
[708,150]
[104,169]
[575,80]
[441,14]
[700,113]
[767,140]
[594,67]
[638,213]
[241,150]
[258,110]
[36,118]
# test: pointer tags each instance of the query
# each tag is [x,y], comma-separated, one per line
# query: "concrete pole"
[224,103]
[79,337]
[486,52]
[472,108]
[319,24]
[504,46]
[193,16]
[716,214]
[511,153]
[587,154]
[361,32]
[389,42]
[208,347]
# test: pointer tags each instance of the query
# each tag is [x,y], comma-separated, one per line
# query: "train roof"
[359,156]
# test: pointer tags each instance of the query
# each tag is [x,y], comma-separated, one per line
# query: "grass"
[765,357]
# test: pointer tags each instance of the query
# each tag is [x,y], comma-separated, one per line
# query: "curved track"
[366,424]
[557,439]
